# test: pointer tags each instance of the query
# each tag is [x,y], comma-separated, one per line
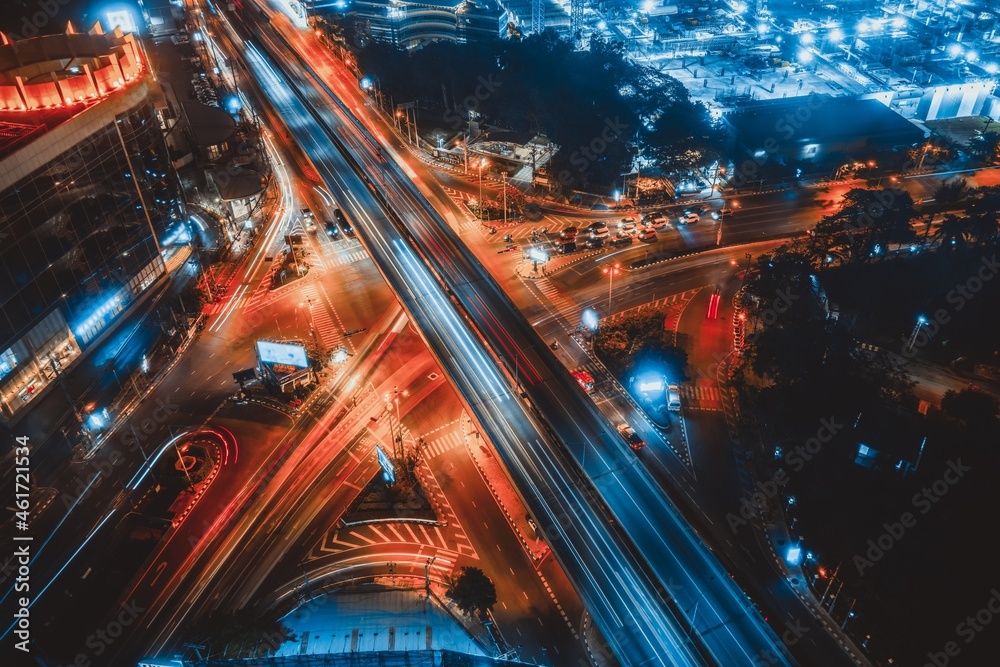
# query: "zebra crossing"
[704,395]
[342,259]
[439,446]
[553,298]
[260,295]
[328,334]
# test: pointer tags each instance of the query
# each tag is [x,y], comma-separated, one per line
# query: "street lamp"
[611,272]
[921,321]
[482,164]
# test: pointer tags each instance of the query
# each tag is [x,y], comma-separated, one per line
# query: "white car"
[689,218]
[673,398]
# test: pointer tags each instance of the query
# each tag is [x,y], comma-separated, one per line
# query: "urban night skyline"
[499,332]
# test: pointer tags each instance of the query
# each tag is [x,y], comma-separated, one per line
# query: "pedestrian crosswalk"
[260,294]
[702,395]
[553,298]
[440,445]
[340,259]
[328,334]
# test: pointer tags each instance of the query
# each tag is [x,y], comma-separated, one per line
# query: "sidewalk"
[503,491]
[526,268]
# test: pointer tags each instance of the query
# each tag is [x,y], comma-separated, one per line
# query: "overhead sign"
[388,469]
[282,353]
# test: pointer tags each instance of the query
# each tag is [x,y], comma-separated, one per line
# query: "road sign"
[388,468]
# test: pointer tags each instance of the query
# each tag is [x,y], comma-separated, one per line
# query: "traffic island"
[503,491]
[382,502]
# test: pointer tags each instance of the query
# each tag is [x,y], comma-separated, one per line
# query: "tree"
[983,211]
[473,591]
[976,409]
[951,192]
[953,232]
[868,222]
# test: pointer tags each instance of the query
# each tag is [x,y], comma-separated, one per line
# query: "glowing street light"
[611,272]
[482,164]
[836,35]
[921,321]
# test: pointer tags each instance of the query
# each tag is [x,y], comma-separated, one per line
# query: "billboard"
[282,353]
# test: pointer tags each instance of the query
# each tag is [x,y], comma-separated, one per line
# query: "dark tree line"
[600,108]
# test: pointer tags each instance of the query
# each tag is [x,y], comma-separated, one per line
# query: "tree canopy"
[599,107]
[473,592]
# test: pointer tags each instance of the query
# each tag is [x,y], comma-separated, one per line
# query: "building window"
[8,362]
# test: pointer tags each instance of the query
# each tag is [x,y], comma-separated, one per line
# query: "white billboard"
[282,353]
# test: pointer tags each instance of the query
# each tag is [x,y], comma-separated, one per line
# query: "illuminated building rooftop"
[46,80]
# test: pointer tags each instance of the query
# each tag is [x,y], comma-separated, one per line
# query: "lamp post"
[745,271]
[921,321]
[611,272]
[482,165]
[504,176]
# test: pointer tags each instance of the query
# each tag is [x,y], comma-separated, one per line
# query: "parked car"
[599,231]
[673,398]
[631,438]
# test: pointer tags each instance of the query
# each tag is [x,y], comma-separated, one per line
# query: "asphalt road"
[740,628]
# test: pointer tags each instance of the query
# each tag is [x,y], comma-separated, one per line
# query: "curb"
[536,557]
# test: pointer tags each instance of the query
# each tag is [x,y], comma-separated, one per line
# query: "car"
[595,242]
[660,223]
[647,234]
[308,220]
[689,218]
[568,233]
[332,230]
[344,224]
[599,232]
[673,398]
[621,238]
[631,438]
[721,213]
[626,223]
[565,246]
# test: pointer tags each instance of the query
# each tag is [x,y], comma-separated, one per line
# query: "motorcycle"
[508,238]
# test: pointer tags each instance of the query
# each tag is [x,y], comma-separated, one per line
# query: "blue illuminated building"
[86,192]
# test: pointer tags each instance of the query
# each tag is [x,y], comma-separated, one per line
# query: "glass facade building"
[81,208]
